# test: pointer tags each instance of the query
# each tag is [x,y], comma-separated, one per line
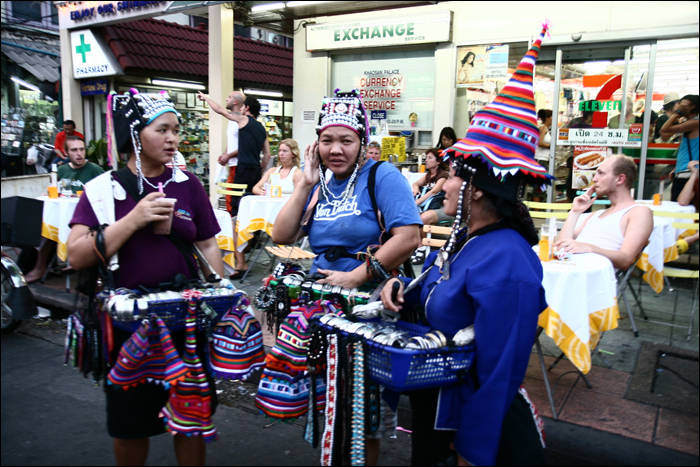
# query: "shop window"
[27,11]
[397,87]
[41,14]
[482,70]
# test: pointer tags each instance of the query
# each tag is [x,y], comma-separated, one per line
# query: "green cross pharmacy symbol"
[83,48]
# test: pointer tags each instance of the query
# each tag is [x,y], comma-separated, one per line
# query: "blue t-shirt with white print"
[352,224]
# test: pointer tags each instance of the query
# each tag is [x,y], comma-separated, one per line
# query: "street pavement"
[51,415]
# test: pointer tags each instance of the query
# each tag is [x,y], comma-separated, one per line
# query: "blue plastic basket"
[174,312]
[411,369]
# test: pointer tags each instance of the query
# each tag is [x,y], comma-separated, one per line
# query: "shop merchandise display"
[194,143]
[21,129]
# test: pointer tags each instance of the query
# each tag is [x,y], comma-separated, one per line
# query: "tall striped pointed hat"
[504,134]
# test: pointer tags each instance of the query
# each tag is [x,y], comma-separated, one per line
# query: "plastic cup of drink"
[163,227]
[657,199]
[53,191]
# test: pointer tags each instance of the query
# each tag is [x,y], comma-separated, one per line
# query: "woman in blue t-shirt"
[338,214]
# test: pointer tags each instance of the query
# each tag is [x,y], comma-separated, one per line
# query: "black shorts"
[248,174]
[134,413]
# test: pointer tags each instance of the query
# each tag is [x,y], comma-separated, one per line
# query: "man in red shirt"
[68,130]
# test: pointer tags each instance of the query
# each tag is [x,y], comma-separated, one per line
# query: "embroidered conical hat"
[504,134]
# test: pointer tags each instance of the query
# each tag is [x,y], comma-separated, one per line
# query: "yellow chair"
[231,189]
[680,273]
[547,210]
[434,229]
[287,252]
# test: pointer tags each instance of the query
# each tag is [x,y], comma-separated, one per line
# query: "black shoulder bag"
[386,235]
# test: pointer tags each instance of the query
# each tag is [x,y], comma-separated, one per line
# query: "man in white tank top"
[620,232]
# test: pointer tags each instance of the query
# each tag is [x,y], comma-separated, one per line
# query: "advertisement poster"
[470,64]
[398,83]
[496,62]
[586,161]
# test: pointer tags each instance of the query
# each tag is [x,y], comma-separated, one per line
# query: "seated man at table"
[620,232]
[690,195]
[80,169]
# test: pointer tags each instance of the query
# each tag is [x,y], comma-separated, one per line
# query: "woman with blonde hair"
[288,154]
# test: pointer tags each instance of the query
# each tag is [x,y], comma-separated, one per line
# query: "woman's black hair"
[544,114]
[669,107]
[466,57]
[693,98]
[516,215]
[450,133]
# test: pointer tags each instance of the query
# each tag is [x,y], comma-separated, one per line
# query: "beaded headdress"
[344,109]
[128,114]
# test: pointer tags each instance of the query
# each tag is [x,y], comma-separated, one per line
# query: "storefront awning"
[39,55]
[149,45]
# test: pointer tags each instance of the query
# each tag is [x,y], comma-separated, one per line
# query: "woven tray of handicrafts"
[127,313]
[410,369]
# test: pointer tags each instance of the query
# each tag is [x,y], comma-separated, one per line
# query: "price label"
[598,137]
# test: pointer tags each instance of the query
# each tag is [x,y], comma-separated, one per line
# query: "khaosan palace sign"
[401,30]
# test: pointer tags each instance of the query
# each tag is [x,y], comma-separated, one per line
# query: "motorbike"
[17,300]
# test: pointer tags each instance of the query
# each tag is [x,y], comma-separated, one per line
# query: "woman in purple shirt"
[147,129]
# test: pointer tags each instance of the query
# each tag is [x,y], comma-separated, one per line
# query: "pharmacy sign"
[91,58]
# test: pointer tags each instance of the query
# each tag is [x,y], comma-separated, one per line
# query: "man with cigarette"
[620,232]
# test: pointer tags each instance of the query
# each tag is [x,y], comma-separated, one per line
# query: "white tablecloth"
[256,213]
[225,239]
[55,217]
[671,206]
[662,243]
[413,177]
[581,294]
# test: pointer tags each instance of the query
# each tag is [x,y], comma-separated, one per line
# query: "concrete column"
[72,100]
[220,84]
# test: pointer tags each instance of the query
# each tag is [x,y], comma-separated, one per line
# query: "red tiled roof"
[157,45]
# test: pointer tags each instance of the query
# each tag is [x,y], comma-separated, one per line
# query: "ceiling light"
[263,93]
[178,84]
[25,84]
[267,7]
[294,4]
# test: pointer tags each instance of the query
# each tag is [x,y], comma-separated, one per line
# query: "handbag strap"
[128,180]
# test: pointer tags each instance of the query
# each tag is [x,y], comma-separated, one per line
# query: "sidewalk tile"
[612,414]
[679,431]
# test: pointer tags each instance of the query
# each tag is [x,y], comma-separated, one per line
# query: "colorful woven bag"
[289,351]
[285,397]
[236,349]
[188,411]
[149,355]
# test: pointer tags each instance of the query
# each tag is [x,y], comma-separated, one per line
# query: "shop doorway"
[606,103]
